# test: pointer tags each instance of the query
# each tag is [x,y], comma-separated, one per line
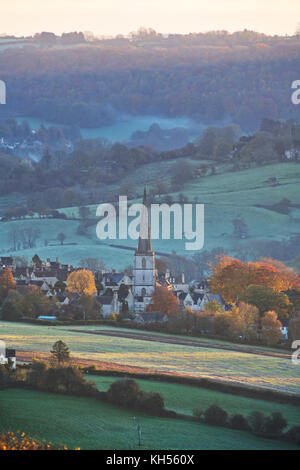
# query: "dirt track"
[185,342]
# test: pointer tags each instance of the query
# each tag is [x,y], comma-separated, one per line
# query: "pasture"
[226,196]
[90,424]
[184,398]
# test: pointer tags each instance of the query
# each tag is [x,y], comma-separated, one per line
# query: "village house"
[8,355]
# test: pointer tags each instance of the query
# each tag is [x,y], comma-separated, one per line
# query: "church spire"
[144,245]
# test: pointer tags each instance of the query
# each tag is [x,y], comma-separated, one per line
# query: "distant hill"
[242,77]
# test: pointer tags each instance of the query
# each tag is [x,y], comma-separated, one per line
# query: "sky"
[111,17]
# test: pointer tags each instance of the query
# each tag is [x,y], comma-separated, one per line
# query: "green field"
[184,398]
[226,195]
[243,368]
[89,424]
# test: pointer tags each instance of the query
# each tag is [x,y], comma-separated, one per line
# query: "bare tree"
[29,236]
[93,264]
[14,237]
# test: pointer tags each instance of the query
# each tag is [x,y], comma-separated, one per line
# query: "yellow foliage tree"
[81,282]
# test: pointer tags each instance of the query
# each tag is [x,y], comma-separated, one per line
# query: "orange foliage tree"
[81,282]
[230,276]
[164,301]
[270,328]
[7,281]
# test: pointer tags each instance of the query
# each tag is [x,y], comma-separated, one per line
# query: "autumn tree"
[7,280]
[213,307]
[164,301]
[230,277]
[239,323]
[290,279]
[81,282]
[265,299]
[270,328]
[7,283]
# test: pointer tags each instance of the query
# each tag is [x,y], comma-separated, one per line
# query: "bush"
[274,425]
[215,415]
[66,380]
[293,435]
[238,421]
[126,392]
[267,426]
[150,402]
[256,422]
[123,392]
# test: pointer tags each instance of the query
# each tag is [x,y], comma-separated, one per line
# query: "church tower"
[144,271]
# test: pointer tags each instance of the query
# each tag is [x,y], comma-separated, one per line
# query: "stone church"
[144,270]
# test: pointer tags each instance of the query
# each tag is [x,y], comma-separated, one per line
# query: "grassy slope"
[88,424]
[263,371]
[184,398]
[225,195]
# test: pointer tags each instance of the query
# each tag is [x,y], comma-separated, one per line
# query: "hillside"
[90,424]
[226,195]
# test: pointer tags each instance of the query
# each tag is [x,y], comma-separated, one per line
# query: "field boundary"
[96,367]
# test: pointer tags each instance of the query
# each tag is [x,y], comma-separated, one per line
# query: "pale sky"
[110,17]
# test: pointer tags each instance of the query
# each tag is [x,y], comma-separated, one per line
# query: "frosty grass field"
[90,424]
[247,368]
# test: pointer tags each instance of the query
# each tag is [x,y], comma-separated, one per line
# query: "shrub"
[256,422]
[215,415]
[293,435]
[274,425]
[123,392]
[150,402]
[268,426]
[69,380]
[126,392]
[238,421]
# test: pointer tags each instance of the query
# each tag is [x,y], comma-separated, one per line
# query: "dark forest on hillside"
[241,77]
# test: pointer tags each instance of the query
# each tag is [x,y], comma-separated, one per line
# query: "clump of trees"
[257,423]
[126,392]
[30,304]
